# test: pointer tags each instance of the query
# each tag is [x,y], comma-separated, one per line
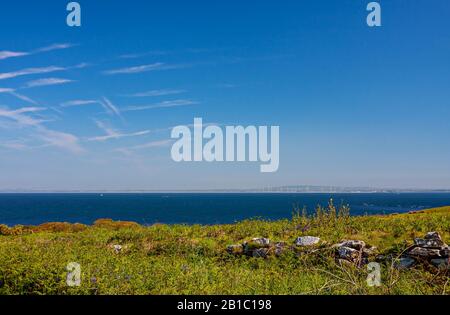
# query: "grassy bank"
[163,259]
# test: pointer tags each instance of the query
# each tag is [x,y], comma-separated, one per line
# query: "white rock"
[307,241]
[117,248]
[352,244]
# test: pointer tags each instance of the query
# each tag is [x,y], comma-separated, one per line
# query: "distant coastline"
[303,189]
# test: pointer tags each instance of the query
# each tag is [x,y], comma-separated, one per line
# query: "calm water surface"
[32,209]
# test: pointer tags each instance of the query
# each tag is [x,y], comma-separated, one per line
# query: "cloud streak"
[104,102]
[79,103]
[139,55]
[50,137]
[53,47]
[24,98]
[14,146]
[39,70]
[154,144]
[18,117]
[113,134]
[29,71]
[144,68]
[110,107]
[165,104]
[47,82]
[153,93]
[6,54]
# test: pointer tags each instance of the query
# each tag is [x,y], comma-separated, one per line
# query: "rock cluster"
[257,247]
[263,247]
[117,249]
[307,241]
[354,252]
[430,249]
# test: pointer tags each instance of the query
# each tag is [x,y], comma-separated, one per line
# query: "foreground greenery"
[177,259]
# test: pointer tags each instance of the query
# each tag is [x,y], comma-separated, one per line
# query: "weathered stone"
[260,252]
[307,241]
[445,252]
[117,248]
[424,253]
[358,245]
[369,251]
[348,253]
[433,236]
[235,249]
[441,263]
[431,240]
[405,263]
[256,243]
[280,248]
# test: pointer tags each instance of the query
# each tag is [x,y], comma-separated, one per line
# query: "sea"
[197,208]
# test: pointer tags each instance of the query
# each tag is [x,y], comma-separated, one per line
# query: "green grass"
[177,259]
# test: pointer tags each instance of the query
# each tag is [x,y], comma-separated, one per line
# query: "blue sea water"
[189,208]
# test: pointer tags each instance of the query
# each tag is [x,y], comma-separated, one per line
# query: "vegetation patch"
[126,258]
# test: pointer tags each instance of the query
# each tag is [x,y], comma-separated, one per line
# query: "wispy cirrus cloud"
[6,54]
[74,103]
[153,93]
[54,47]
[18,95]
[153,144]
[22,118]
[29,71]
[19,117]
[110,107]
[60,139]
[24,98]
[114,134]
[129,151]
[14,145]
[104,102]
[39,70]
[139,55]
[145,68]
[165,104]
[47,82]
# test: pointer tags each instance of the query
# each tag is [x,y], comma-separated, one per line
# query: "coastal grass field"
[179,259]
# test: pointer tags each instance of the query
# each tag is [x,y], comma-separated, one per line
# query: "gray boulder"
[257,243]
[280,248]
[307,241]
[424,253]
[348,253]
[445,252]
[254,245]
[358,245]
[260,252]
[405,263]
[431,240]
[441,263]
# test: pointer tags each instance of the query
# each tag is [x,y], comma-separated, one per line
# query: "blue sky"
[91,108]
